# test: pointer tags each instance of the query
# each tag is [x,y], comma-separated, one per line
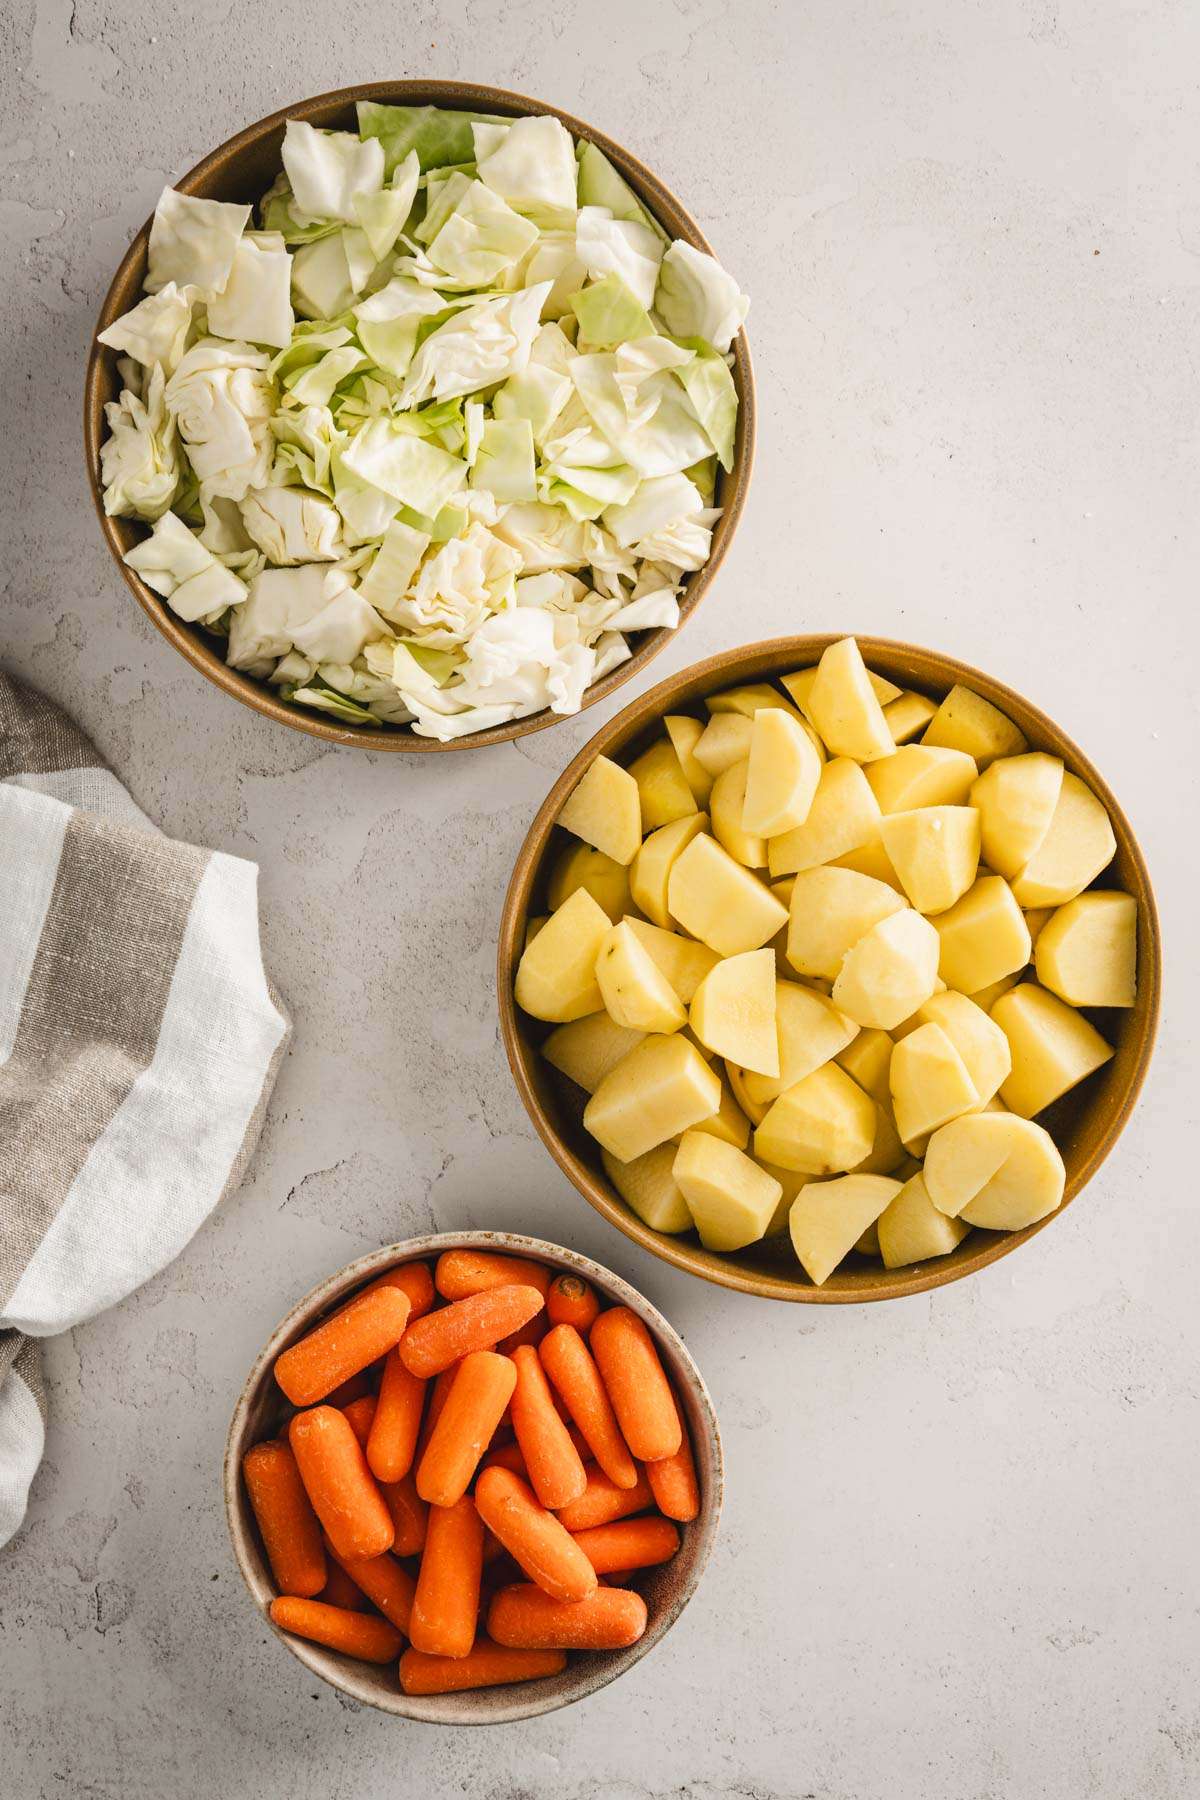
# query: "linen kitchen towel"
[139,1042]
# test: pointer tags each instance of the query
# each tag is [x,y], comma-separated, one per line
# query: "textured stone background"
[960,1558]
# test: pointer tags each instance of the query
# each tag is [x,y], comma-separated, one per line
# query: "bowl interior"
[262,1412]
[242,170]
[1085,1123]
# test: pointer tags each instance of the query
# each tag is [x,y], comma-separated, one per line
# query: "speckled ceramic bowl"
[262,1409]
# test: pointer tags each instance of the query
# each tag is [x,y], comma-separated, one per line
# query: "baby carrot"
[347,1392]
[412,1279]
[485,1665]
[570,1300]
[341,1487]
[570,1366]
[481,1390]
[286,1521]
[628,1544]
[446,1605]
[462,1272]
[634,1379]
[506,1456]
[554,1464]
[397,1421]
[339,1590]
[353,1633]
[545,1549]
[475,1323]
[360,1413]
[673,1480]
[433,1410]
[384,1582]
[410,1515]
[524,1618]
[602,1501]
[342,1345]
[532,1332]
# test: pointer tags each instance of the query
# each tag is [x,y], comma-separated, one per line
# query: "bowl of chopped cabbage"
[419,415]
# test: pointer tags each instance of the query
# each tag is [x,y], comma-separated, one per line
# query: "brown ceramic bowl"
[261,1411]
[1085,1123]
[242,170]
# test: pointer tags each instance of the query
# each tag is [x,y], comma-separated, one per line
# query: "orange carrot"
[555,1467]
[570,1366]
[286,1521]
[570,1300]
[532,1332]
[480,1392]
[339,1590]
[634,1379]
[485,1665]
[506,1456]
[628,1544]
[341,1487]
[342,1345]
[673,1480]
[393,1440]
[384,1582]
[354,1634]
[463,1272]
[410,1515]
[545,1549]
[446,1606]
[433,1409]
[475,1323]
[602,1501]
[360,1413]
[347,1392]
[412,1279]
[524,1618]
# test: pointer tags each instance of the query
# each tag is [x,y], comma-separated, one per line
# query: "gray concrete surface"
[960,1557]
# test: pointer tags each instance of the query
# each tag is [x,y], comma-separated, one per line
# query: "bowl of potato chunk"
[829,970]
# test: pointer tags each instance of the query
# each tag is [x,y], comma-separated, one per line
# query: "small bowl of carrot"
[473,1478]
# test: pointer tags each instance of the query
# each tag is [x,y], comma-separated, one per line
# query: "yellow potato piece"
[1078,845]
[1016,798]
[726,808]
[783,774]
[580,866]
[867,1060]
[719,902]
[556,977]
[844,815]
[733,1011]
[730,1198]
[822,1125]
[729,1122]
[994,1170]
[662,786]
[889,971]
[605,811]
[921,775]
[749,699]
[843,708]
[871,859]
[912,1230]
[1087,951]
[648,1187]
[829,1217]
[755,1111]
[650,875]
[977,1038]
[685,733]
[682,960]
[868,1243]
[799,686]
[830,910]
[724,740]
[635,992]
[662,1087]
[908,716]
[983,936]
[930,1083]
[966,721]
[887,1152]
[586,1049]
[790,1182]
[1053,1047]
[935,852]
[810,1030]
[986,997]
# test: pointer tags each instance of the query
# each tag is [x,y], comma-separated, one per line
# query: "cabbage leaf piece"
[139,459]
[192,242]
[438,135]
[174,562]
[255,305]
[155,330]
[696,298]
[328,171]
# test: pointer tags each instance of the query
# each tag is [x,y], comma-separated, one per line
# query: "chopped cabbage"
[192,243]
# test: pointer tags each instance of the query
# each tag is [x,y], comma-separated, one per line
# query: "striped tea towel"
[139,1042]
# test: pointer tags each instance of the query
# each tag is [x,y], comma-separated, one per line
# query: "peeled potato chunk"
[983,936]
[828,1218]
[724,740]
[908,716]
[651,870]
[634,989]
[648,1187]
[810,1030]
[749,699]
[784,770]
[685,733]
[935,852]
[556,977]
[912,1230]
[662,786]
[1077,846]
[1016,798]
[867,1060]
[719,902]
[977,1038]
[843,708]
[871,859]
[889,972]
[966,721]
[790,1183]
[994,1170]
[887,1153]
[729,1197]
[682,960]
[726,809]
[662,1087]
[822,1125]
[986,997]
[586,1049]
[830,910]
[605,811]
[729,1122]
[733,1011]
[755,1111]
[1086,953]
[921,775]
[580,866]
[799,686]
[843,816]
[930,1083]
[1053,1047]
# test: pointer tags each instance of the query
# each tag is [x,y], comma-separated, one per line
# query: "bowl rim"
[527,1702]
[456,95]
[799,651]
